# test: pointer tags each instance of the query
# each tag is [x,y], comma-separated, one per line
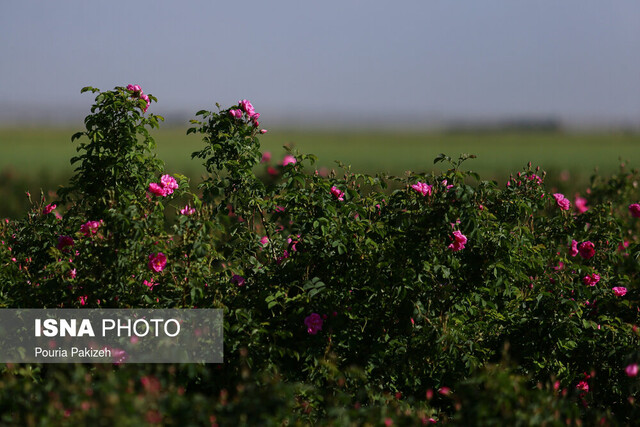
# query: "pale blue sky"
[576,59]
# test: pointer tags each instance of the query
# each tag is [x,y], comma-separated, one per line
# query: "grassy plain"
[38,151]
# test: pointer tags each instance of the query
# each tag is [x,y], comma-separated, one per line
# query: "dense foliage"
[347,298]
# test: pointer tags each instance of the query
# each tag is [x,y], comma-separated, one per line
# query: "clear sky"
[297,59]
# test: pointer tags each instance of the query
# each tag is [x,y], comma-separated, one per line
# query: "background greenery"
[499,152]
[37,158]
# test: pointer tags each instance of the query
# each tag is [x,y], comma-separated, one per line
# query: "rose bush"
[347,298]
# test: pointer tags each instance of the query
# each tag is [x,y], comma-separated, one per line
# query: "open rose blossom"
[136,89]
[459,240]
[157,262]
[90,227]
[635,210]
[619,291]
[288,160]
[562,201]
[48,209]
[591,279]
[422,188]
[169,183]
[313,323]
[156,189]
[580,204]
[247,107]
[583,385]
[166,186]
[337,193]
[587,249]
[631,370]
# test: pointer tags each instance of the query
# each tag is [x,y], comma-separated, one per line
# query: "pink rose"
[581,204]
[635,210]
[90,227]
[313,323]
[288,159]
[157,262]
[137,93]
[266,157]
[562,201]
[445,391]
[157,189]
[247,107]
[166,186]
[422,188]
[236,113]
[573,248]
[591,279]
[631,370]
[459,240]
[48,209]
[583,385]
[146,98]
[169,183]
[587,249]
[337,193]
[619,291]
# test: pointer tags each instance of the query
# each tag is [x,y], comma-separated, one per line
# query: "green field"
[34,150]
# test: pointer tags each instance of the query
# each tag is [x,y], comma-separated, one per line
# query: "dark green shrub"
[345,301]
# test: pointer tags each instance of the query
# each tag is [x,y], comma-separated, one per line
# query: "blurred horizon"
[72,117]
[418,65]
